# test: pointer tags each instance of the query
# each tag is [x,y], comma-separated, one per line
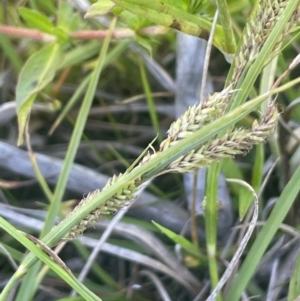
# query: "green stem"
[150,100]
[211,222]
[11,284]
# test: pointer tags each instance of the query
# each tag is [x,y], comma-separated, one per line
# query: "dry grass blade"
[157,283]
[142,259]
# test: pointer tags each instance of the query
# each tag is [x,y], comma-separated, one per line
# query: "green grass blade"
[15,254]
[40,178]
[59,270]
[150,100]
[182,241]
[211,222]
[73,100]
[96,267]
[79,54]
[294,287]
[71,60]
[76,138]
[11,53]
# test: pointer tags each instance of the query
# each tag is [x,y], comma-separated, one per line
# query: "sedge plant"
[203,136]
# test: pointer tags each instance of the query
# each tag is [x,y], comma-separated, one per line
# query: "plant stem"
[211,222]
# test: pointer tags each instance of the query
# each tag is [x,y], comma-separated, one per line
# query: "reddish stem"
[121,33]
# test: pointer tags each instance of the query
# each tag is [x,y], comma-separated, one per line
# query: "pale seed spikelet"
[122,198]
[261,22]
[148,157]
[198,115]
[236,142]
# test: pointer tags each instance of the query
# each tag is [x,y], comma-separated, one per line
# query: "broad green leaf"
[36,20]
[38,71]
[101,7]
[182,241]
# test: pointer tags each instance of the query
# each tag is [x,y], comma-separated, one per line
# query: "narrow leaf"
[182,241]
[58,267]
